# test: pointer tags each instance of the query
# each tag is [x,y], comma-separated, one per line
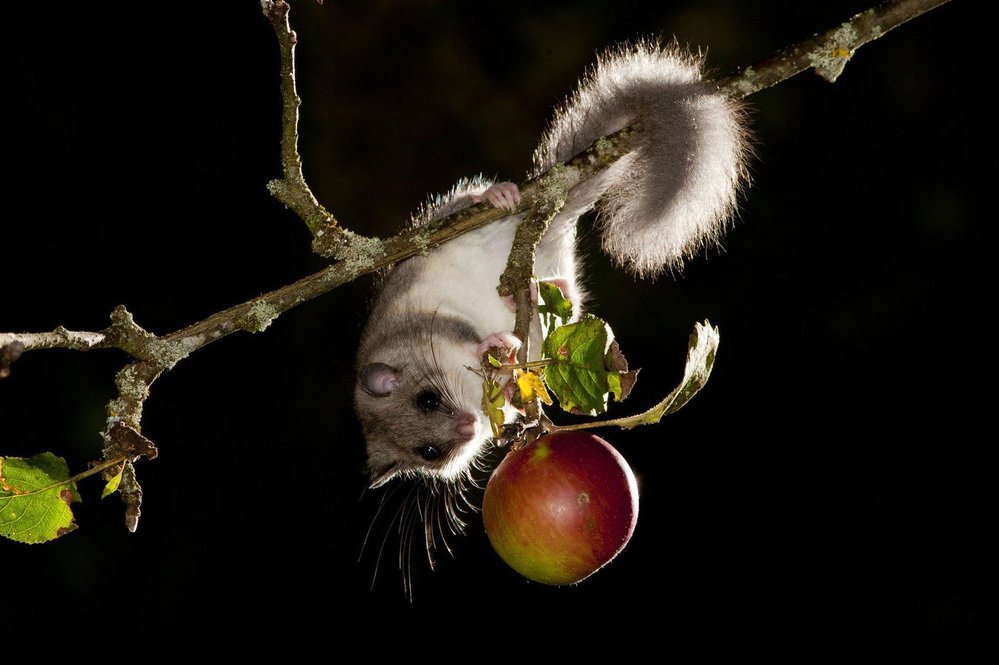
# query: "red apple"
[560,508]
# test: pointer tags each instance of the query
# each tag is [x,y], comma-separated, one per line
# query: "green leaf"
[35,498]
[553,301]
[492,405]
[553,304]
[614,385]
[492,361]
[112,485]
[578,374]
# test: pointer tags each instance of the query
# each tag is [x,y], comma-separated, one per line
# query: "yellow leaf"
[112,485]
[530,384]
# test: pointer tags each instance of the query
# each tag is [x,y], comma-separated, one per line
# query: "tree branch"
[123,333]
[827,53]
[359,255]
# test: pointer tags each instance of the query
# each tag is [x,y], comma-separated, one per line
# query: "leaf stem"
[94,470]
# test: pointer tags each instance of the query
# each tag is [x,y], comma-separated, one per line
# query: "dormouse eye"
[428,452]
[427,400]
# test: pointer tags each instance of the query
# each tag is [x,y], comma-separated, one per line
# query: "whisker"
[439,525]
[428,530]
[381,548]
[374,520]
[406,542]
[454,522]
[407,514]
[447,515]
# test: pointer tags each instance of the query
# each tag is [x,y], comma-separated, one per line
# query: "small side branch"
[122,436]
[548,199]
[827,53]
[550,195]
[292,190]
[60,338]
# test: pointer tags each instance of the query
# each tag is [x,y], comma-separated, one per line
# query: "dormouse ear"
[381,476]
[379,379]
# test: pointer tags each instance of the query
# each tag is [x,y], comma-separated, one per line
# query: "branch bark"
[358,255]
[827,53]
[292,190]
[60,338]
[553,190]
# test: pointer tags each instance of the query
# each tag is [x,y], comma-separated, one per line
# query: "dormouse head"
[421,413]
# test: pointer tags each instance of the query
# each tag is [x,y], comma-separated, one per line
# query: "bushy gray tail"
[676,190]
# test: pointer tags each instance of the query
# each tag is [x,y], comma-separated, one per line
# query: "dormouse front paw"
[504,195]
[505,343]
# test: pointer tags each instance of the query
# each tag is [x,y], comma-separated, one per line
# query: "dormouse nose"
[466,425]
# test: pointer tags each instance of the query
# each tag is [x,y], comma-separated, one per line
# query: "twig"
[827,53]
[60,338]
[292,190]
[553,189]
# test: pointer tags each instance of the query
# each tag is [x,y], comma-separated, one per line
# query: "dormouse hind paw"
[504,195]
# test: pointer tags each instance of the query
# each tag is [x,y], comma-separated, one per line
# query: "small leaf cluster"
[583,367]
[581,364]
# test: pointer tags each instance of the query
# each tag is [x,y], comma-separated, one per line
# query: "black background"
[826,492]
